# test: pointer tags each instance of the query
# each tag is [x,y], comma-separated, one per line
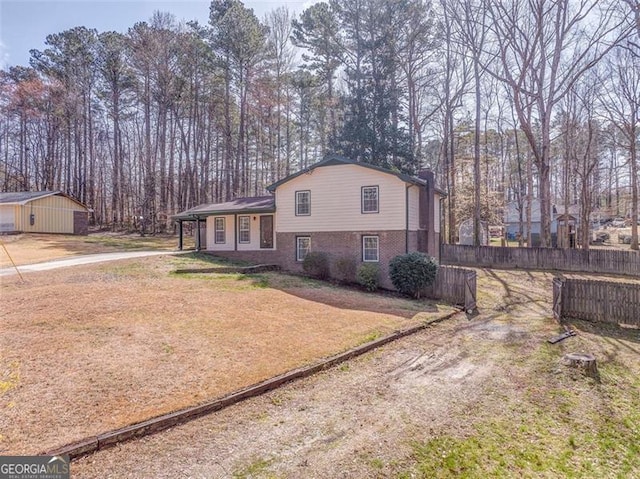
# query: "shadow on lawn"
[344,296]
[611,331]
[337,295]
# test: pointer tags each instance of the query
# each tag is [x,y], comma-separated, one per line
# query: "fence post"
[470,304]
[558,286]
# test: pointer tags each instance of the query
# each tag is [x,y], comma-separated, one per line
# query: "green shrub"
[316,264]
[345,269]
[411,273]
[368,276]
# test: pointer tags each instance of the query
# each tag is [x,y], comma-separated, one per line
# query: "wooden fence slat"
[599,301]
[591,261]
[455,286]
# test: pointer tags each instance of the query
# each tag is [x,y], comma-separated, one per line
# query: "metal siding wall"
[53,214]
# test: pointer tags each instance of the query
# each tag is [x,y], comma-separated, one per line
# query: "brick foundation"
[348,245]
[266,256]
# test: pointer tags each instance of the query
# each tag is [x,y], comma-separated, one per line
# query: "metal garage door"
[7,218]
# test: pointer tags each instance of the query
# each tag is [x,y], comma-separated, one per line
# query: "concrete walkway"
[80,260]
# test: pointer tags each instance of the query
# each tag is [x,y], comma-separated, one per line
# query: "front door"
[266,232]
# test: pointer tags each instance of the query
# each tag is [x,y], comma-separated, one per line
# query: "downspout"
[406,231]
[235,232]
[441,220]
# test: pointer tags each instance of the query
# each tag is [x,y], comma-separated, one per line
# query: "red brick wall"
[345,244]
[80,223]
[336,244]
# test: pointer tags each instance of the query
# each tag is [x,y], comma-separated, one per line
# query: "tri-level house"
[346,209]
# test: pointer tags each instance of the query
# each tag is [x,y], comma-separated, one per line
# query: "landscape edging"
[96,443]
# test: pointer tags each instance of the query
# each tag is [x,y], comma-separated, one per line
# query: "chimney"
[427,212]
[425,174]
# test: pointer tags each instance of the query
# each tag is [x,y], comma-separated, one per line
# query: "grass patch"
[132,242]
[554,433]
[258,280]
[10,378]
[259,467]
[372,336]
[502,449]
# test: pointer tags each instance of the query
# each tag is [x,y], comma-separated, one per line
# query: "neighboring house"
[512,221]
[42,212]
[346,209]
[466,233]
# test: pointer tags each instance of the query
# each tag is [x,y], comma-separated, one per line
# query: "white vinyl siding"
[303,246]
[337,201]
[370,199]
[244,229]
[370,249]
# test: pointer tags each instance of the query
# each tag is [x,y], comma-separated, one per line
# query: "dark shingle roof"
[256,204]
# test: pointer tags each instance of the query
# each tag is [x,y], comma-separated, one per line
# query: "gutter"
[406,207]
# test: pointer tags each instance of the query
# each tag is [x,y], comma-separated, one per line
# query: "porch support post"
[197,234]
[180,240]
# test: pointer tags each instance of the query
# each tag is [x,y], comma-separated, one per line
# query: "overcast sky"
[24,24]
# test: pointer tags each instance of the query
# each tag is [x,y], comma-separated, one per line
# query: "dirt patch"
[480,398]
[93,348]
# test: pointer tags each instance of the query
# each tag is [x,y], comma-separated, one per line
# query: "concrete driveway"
[80,260]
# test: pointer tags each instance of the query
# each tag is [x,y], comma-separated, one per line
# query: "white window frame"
[299,204]
[217,230]
[308,249]
[362,199]
[246,230]
[365,249]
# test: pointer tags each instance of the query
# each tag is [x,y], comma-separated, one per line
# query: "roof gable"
[24,197]
[332,160]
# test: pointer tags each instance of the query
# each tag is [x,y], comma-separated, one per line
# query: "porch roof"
[251,205]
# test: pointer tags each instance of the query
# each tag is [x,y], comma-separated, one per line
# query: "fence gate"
[470,291]
[558,284]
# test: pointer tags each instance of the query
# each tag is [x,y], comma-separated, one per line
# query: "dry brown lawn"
[36,248]
[88,349]
[480,398]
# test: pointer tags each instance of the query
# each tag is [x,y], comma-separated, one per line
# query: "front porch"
[243,224]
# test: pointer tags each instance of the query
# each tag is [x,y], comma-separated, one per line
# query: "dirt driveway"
[480,398]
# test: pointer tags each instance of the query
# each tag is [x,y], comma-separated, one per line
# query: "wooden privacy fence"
[591,261]
[600,301]
[455,286]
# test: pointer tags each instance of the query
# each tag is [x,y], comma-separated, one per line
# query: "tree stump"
[586,362]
